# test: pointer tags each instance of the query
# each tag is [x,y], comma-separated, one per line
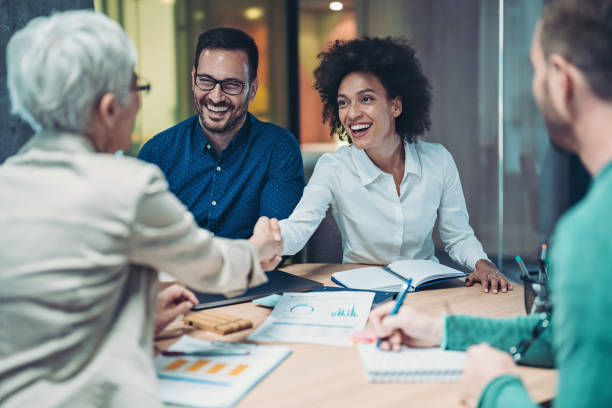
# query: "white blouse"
[377,225]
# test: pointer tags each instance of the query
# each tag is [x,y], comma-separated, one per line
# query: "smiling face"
[219,112]
[366,112]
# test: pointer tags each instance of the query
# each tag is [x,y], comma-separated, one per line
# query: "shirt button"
[207,147]
[214,203]
[218,168]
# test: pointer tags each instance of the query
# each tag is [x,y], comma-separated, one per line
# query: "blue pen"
[398,303]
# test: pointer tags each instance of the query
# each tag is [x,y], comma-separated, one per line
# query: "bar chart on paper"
[215,381]
[316,317]
[344,312]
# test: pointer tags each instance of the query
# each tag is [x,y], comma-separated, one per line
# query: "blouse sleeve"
[310,211]
[454,226]
[165,236]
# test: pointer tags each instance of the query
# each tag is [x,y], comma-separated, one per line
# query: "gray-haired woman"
[77,313]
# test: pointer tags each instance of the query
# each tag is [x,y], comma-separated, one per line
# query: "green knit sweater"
[579,340]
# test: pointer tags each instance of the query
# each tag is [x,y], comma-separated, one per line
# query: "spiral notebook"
[411,364]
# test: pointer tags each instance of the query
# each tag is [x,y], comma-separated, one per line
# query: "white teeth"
[360,127]
[217,108]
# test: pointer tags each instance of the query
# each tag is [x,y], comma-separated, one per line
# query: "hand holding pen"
[398,303]
[406,327]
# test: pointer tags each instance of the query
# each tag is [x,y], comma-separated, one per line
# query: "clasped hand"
[269,242]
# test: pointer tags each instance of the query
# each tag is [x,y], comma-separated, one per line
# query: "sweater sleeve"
[506,391]
[460,332]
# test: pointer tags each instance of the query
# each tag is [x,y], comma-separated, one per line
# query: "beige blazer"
[81,237]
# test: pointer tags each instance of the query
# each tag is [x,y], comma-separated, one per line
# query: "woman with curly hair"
[388,187]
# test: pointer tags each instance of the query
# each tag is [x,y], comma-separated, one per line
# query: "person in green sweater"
[572,58]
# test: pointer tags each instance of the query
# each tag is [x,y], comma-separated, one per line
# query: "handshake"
[268,241]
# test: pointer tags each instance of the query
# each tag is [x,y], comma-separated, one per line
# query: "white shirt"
[76,313]
[377,225]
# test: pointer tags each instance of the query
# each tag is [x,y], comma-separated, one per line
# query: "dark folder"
[278,282]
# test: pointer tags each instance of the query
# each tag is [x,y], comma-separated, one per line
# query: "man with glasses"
[572,58]
[224,164]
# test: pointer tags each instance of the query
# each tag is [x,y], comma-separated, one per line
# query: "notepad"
[411,364]
[390,278]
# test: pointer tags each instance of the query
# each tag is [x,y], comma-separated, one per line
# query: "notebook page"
[422,271]
[373,278]
[411,364]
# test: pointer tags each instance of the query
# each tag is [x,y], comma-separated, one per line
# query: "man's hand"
[172,302]
[269,242]
[484,363]
[489,277]
[407,327]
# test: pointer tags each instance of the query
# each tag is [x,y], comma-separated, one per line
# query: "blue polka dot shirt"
[259,173]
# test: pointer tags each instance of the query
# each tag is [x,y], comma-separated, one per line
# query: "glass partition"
[475,52]
[165,33]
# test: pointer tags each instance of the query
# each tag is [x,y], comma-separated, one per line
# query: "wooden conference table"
[327,376]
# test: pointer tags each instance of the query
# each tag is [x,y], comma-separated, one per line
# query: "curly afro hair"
[393,62]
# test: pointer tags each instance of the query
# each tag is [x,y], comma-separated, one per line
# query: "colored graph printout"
[215,381]
[316,317]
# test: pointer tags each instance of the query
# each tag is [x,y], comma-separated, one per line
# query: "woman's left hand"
[489,277]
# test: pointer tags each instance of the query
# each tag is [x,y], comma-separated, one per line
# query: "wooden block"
[217,322]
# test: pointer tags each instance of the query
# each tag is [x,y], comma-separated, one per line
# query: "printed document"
[208,381]
[316,317]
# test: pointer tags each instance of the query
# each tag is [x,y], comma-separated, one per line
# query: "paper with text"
[213,381]
[317,317]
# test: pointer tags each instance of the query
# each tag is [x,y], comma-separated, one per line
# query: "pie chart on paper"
[301,309]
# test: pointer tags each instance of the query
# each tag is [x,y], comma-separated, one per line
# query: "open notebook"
[390,278]
[411,364]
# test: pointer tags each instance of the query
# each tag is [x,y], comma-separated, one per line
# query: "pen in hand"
[398,303]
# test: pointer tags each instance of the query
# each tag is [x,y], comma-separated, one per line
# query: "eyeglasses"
[208,83]
[142,85]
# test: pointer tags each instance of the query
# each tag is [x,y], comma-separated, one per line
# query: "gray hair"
[58,68]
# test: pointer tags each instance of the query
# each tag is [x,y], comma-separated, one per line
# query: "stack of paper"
[210,380]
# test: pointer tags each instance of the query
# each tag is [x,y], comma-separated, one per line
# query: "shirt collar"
[51,140]
[240,137]
[368,171]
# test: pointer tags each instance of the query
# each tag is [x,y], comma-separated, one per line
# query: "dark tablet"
[278,282]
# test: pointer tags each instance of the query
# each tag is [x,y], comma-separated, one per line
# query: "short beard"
[560,133]
[231,124]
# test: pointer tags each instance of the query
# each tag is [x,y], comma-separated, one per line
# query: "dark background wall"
[13,16]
